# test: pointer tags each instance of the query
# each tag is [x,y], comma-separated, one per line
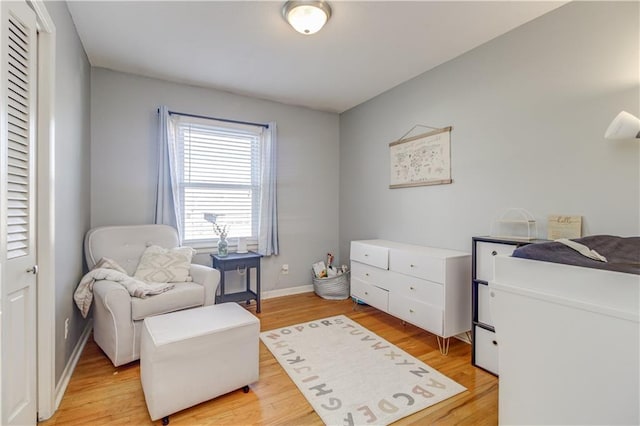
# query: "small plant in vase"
[222,232]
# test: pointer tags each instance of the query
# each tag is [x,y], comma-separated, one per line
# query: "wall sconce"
[624,126]
[306,17]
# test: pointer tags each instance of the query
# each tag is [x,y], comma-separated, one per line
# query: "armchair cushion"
[182,296]
[161,265]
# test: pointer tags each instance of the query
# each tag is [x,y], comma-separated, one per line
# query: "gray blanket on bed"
[623,254]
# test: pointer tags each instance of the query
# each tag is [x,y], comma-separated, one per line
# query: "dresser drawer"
[370,254]
[370,294]
[370,274]
[421,314]
[484,311]
[486,349]
[417,264]
[485,252]
[417,289]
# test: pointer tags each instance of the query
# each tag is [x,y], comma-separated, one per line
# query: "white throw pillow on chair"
[161,265]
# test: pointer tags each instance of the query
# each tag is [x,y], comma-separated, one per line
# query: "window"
[218,170]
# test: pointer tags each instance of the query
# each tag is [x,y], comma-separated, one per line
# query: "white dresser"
[427,287]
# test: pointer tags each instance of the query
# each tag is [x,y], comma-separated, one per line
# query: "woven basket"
[333,288]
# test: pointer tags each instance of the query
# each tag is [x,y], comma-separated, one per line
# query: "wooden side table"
[238,262]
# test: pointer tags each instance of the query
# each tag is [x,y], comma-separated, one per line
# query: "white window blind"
[219,173]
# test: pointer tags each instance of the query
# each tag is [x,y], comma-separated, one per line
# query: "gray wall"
[124,160]
[528,110]
[72,132]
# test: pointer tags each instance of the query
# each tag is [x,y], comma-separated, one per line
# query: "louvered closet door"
[17,206]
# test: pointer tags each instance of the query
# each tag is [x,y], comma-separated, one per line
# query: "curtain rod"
[225,120]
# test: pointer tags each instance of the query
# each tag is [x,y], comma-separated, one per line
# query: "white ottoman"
[188,357]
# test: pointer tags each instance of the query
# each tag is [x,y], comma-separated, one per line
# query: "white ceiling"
[246,47]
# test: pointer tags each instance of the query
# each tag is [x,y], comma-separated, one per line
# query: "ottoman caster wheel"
[245,389]
[165,421]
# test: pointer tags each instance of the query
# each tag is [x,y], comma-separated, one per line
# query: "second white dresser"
[425,286]
[484,353]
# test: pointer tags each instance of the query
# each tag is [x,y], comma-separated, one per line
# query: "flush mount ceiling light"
[306,17]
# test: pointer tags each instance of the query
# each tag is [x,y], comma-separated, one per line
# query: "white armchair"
[117,317]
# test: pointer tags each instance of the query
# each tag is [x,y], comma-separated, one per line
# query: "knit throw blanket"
[107,269]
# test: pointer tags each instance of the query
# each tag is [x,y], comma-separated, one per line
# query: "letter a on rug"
[352,376]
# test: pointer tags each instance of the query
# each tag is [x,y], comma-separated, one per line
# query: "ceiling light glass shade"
[306,17]
[624,126]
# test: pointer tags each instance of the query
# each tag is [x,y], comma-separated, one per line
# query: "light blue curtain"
[268,226]
[168,209]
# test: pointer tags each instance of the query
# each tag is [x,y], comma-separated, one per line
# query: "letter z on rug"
[352,376]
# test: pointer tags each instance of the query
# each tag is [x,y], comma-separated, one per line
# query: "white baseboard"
[61,387]
[287,291]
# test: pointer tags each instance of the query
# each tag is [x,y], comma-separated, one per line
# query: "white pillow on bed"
[161,265]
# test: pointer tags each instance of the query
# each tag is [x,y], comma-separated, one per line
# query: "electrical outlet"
[285,269]
[66,328]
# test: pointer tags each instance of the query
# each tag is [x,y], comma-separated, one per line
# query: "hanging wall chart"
[421,160]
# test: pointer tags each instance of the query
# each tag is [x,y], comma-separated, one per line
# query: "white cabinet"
[425,286]
[485,344]
[569,344]
[484,251]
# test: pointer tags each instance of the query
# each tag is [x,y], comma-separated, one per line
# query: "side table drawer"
[486,349]
[370,294]
[239,264]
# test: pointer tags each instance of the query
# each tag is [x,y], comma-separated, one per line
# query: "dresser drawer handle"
[366,273]
[411,310]
[494,343]
[412,288]
[412,265]
[366,255]
[494,253]
[366,292]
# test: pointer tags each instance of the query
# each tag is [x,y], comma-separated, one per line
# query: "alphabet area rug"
[351,376]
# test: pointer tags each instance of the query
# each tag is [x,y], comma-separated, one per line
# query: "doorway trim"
[45,221]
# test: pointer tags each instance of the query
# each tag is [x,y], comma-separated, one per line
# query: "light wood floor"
[100,393]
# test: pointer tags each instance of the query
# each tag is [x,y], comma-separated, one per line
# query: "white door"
[18,45]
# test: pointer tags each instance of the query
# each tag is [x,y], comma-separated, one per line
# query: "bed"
[568,334]
[622,253]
